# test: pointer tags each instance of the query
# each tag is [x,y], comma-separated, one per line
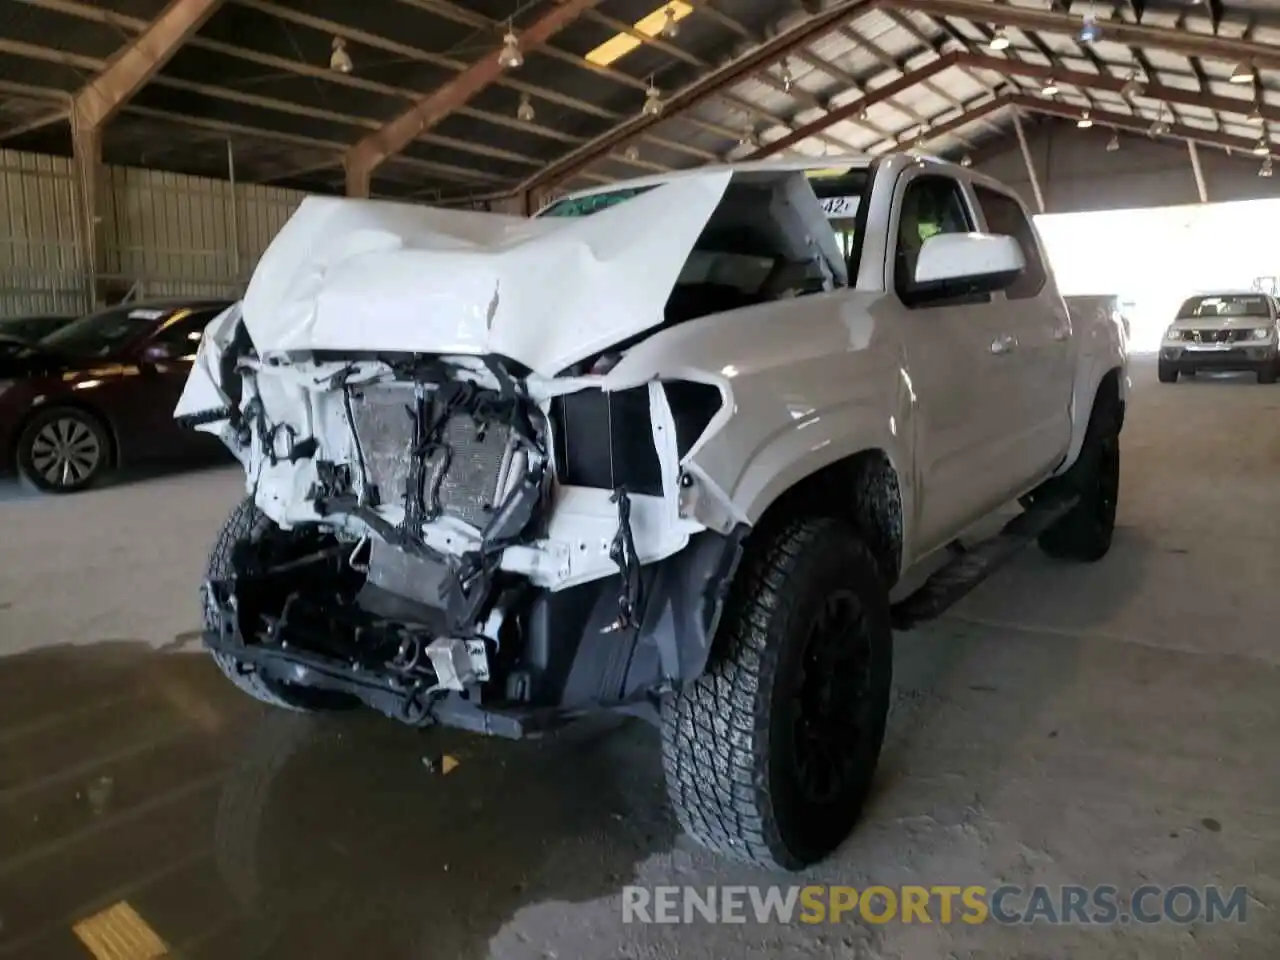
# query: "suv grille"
[1220,336]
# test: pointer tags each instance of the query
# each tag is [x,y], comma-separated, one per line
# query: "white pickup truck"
[664,449]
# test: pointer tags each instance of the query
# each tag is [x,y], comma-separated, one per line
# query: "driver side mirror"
[958,264]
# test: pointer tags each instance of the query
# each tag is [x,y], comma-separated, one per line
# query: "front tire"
[1084,533]
[63,450]
[247,522]
[1267,374]
[1166,372]
[770,753]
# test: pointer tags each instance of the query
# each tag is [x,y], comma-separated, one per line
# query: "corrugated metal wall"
[163,233]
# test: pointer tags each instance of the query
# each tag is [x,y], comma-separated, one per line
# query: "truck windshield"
[592,203]
[1240,305]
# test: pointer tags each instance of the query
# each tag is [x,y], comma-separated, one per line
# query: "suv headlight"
[1261,333]
[1173,334]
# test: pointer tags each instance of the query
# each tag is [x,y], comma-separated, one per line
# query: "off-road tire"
[1267,374]
[247,522]
[1166,372]
[1084,533]
[729,739]
[87,426]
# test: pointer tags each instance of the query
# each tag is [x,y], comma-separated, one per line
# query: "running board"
[969,567]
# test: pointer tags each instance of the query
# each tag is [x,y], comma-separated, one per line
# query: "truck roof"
[835,163]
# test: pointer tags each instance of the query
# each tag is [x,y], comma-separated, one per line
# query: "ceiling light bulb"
[652,101]
[863,114]
[1085,121]
[1265,169]
[1050,88]
[1256,116]
[1000,41]
[510,57]
[1133,87]
[1261,148]
[670,25]
[632,152]
[1090,31]
[966,161]
[1114,143]
[340,60]
[1243,73]
[525,111]
[787,78]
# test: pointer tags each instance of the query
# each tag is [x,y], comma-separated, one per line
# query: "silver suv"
[1222,331]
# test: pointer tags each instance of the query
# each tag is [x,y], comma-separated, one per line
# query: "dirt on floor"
[1115,725]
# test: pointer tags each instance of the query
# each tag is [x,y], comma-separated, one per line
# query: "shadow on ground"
[235,831]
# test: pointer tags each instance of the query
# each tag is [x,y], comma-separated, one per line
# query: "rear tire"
[1084,534]
[1167,372]
[247,522]
[770,753]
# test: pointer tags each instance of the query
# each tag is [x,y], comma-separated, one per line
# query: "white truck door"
[1042,360]
[962,375]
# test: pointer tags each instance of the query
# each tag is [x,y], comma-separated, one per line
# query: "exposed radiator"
[476,472]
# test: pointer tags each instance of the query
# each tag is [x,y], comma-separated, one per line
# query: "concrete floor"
[1109,724]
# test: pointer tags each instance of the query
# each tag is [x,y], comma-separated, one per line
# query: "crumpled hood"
[365,275]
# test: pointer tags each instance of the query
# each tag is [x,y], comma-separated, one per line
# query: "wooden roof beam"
[1185,42]
[373,150]
[141,59]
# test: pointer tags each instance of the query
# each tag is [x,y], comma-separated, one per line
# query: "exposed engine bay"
[478,512]
[455,540]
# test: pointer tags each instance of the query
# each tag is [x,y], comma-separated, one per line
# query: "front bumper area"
[560,654]
[1230,357]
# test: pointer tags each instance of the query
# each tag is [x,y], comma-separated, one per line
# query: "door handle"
[1003,344]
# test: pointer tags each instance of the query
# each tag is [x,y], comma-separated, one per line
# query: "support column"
[91,191]
[359,177]
[1202,189]
[1026,158]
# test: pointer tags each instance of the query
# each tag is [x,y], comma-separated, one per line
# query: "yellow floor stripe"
[118,933]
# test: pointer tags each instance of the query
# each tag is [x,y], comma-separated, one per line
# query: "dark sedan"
[100,392]
[31,328]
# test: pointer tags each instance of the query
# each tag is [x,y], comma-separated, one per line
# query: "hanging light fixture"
[1133,87]
[525,111]
[1243,73]
[788,79]
[1159,126]
[1261,148]
[652,101]
[510,57]
[863,114]
[1256,116]
[1090,30]
[966,161]
[1050,88]
[1265,170]
[670,25]
[340,60]
[1114,143]
[632,152]
[999,41]
[1085,121]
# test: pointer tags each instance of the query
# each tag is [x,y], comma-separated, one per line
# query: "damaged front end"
[456,539]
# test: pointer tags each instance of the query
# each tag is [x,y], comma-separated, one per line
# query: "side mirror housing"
[958,264]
